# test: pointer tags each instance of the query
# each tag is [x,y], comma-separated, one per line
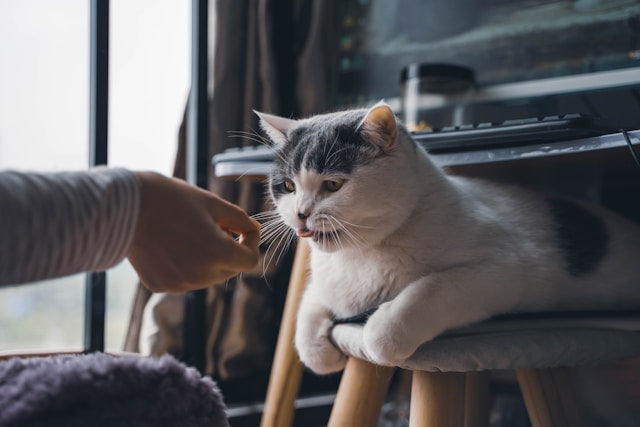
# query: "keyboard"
[512,133]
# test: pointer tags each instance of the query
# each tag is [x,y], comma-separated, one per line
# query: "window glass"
[44,82]
[149,76]
[44,127]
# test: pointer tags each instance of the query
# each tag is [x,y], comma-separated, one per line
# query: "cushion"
[541,340]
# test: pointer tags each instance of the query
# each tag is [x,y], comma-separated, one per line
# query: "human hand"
[183,236]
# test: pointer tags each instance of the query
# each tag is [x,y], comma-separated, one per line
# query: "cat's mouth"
[305,232]
[318,236]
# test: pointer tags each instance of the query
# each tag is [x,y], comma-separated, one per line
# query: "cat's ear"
[276,127]
[379,126]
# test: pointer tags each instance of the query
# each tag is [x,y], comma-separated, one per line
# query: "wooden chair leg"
[437,399]
[476,399]
[286,371]
[549,397]
[361,393]
[451,399]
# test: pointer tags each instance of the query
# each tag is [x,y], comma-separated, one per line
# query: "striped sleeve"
[57,224]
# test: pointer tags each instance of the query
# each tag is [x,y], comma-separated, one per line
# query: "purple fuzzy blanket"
[103,390]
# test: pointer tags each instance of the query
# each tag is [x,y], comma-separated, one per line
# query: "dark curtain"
[277,57]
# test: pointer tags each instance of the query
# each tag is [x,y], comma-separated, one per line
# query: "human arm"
[56,224]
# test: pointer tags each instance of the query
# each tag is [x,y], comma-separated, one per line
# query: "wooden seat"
[460,396]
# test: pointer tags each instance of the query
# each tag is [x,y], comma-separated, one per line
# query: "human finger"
[222,275]
[241,255]
[232,217]
[251,240]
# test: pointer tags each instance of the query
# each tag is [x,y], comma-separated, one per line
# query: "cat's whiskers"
[267,220]
[287,244]
[249,137]
[265,214]
[352,233]
[253,138]
[335,235]
[256,137]
[268,223]
[354,237]
[272,230]
[248,172]
[332,233]
[286,234]
[324,233]
[270,253]
[253,135]
[280,236]
[351,237]
[355,225]
[275,231]
[238,278]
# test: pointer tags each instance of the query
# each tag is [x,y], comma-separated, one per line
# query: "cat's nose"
[303,215]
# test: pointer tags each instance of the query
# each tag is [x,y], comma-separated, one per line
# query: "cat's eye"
[289,186]
[332,185]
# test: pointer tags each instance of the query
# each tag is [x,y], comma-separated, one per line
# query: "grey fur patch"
[581,235]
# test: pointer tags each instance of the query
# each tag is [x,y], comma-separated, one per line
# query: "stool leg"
[476,399]
[437,399]
[452,399]
[361,394]
[549,397]
[286,371]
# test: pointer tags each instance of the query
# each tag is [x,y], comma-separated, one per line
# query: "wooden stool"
[459,397]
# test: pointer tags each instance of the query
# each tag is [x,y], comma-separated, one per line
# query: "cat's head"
[340,178]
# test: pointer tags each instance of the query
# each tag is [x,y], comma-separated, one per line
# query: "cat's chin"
[327,242]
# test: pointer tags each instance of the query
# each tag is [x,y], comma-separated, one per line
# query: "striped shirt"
[55,224]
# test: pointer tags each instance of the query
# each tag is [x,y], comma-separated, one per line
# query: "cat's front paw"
[317,352]
[386,340]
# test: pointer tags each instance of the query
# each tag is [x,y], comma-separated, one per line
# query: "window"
[44,81]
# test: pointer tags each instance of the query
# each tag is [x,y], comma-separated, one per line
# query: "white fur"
[436,252]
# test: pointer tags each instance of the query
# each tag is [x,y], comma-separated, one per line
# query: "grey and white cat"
[389,229]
